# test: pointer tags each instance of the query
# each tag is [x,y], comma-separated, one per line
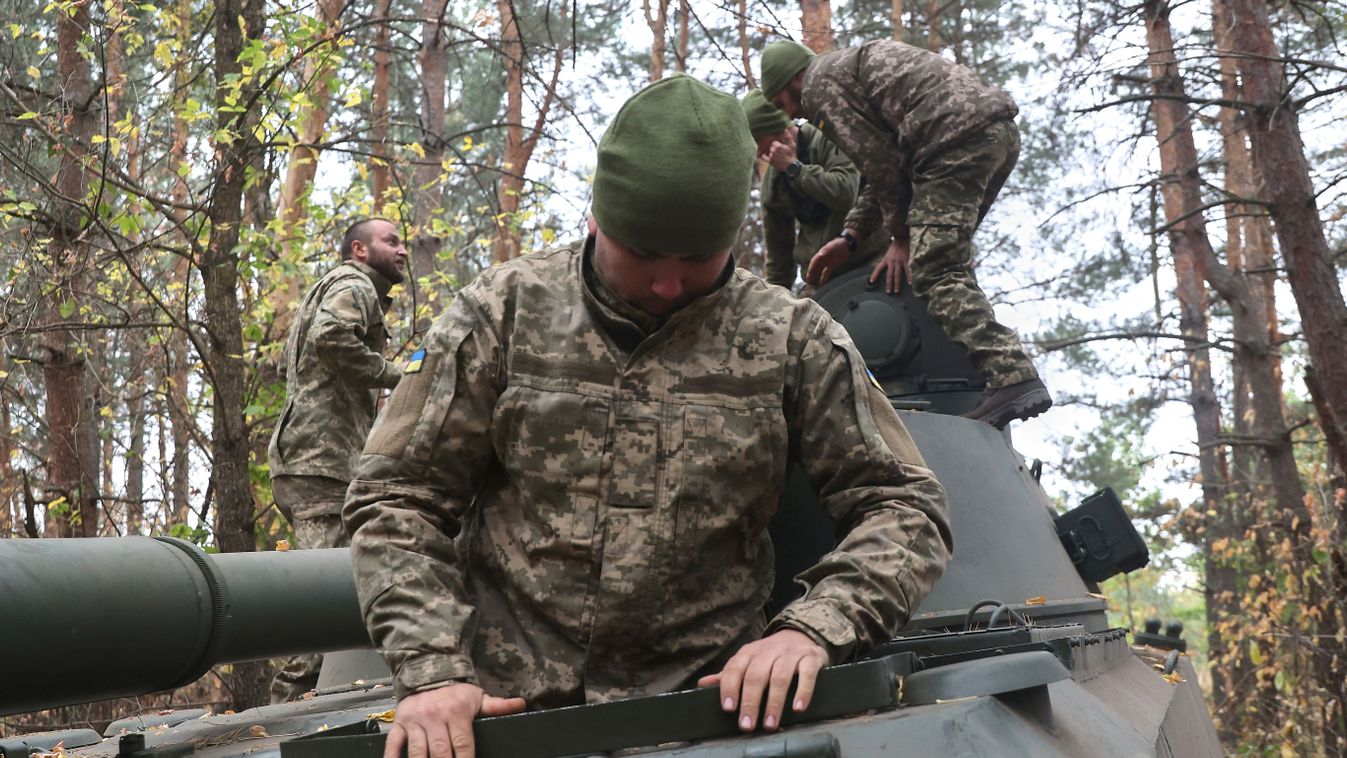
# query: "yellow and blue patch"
[413,363]
[873,380]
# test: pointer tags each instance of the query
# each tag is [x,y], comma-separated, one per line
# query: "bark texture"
[230,488]
[71,456]
[816,19]
[519,143]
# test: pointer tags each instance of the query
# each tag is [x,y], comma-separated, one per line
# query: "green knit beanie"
[674,170]
[781,61]
[763,117]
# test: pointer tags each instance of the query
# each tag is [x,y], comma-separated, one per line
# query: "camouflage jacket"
[818,200]
[892,106]
[610,504]
[334,368]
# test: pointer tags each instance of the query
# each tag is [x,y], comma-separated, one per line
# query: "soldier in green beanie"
[807,190]
[566,499]
[936,145]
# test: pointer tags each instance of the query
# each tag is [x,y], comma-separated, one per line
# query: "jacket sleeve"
[830,178]
[778,233]
[339,327]
[425,458]
[866,216]
[871,479]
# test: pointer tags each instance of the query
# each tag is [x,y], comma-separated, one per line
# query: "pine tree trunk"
[681,52]
[380,169]
[519,145]
[1187,235]
[659,25]
[1277,147]
[744,46]
[816,19]
[72,467]
[1248,243]
[426,203]
[896,19]
[302,163]
[229,484]
[934,41]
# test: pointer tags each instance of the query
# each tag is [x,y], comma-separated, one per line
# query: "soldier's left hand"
[767,667]
[826,261]
[780,155]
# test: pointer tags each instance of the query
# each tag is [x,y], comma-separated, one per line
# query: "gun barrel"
[88,619]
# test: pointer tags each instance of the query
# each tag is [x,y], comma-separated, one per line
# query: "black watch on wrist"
[794,168]
[852,242]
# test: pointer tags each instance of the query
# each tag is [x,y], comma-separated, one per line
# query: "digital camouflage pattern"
[612,482]
[800,215]
[334,369]
[936,145]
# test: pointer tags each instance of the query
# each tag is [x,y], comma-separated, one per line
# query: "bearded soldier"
[334,370]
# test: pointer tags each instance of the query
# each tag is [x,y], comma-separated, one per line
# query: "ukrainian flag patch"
[413,363]
[873,380]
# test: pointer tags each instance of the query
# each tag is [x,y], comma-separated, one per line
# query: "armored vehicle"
[1011,654]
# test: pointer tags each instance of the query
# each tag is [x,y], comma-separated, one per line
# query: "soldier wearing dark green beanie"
[615,419]
[674,170]
[935,144]
[807,190]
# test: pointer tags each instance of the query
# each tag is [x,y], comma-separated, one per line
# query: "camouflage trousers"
[313,503]
[951,193]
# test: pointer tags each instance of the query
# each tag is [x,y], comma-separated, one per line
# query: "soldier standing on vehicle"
[619,413]
[334,371]
[935,144]
[807,190]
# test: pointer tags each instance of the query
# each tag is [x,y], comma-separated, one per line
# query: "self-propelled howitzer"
[1012,653]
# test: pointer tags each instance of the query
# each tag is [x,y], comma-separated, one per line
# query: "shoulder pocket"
[416,410]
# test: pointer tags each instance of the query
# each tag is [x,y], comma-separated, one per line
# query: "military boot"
[1021,400]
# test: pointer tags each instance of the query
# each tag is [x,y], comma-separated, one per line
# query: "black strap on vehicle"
[604,727]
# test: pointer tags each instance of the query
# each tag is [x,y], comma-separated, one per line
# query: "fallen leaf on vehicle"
[1038,600]
[1173,678]
[386,716]
[257,730]
[282,545]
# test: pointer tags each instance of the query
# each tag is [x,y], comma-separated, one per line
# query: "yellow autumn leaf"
[34,73]
[353,98]
[1036,600]
[282,545]
[415,147]
[384,716]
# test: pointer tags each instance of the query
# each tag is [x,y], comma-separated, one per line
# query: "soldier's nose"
[667,287]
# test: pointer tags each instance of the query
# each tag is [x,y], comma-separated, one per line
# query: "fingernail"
[727,704]
[769,722]
[799,705]
[746,723]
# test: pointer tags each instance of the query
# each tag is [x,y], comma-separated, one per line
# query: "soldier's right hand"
[438,723]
